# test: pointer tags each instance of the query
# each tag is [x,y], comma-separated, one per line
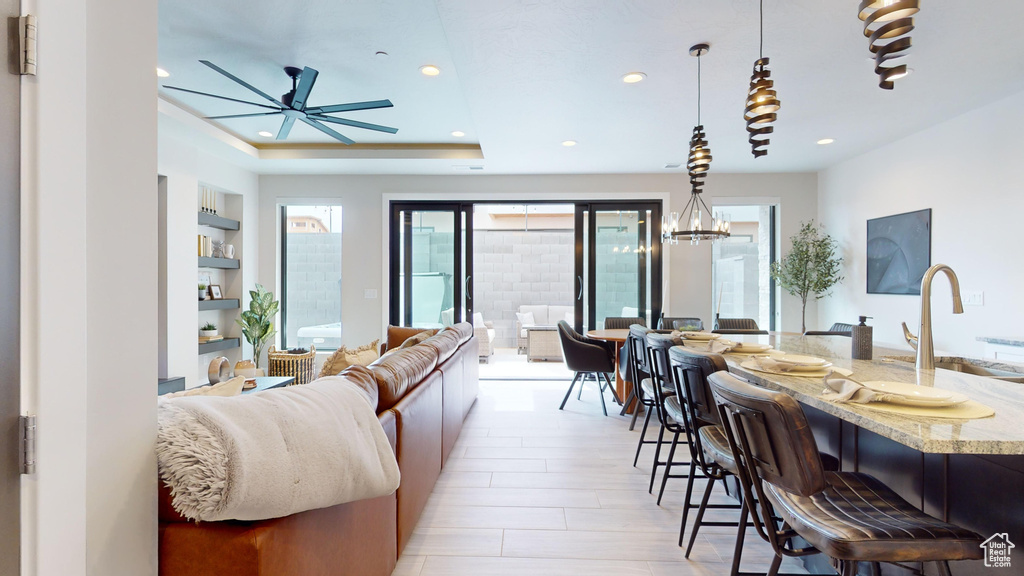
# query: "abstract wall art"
[899,252]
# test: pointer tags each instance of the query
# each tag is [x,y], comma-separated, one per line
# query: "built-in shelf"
[225,344]
[168,385]
[226,263]
[223,304]
[214,221]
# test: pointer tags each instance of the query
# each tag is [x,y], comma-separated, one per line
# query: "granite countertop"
[999,434]
[1002,340]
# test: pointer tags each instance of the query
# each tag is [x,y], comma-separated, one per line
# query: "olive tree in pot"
[257,322]
[811,268]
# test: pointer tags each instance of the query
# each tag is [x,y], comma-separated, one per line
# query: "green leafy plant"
[257,322]
[202,287]
[209,326]
[811,268]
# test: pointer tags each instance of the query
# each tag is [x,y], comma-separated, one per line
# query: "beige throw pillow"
[232,387]
[343,358]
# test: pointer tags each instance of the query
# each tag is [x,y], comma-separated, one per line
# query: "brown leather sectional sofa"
[424,394]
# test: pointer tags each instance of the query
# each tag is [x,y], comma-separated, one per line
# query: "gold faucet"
[924,343]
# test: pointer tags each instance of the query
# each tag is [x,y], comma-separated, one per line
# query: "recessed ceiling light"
[266,134]
[825,141]
[161,73]
[430,70]
[634,77]
[569,143]
[458,133]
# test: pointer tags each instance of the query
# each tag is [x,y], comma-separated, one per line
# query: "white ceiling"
[520,76]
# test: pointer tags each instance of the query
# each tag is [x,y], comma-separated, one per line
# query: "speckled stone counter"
[999,434]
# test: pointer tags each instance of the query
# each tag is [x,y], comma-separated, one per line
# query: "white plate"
[914,395]
[750,348]
[798,360]
[704,336]
[805,368]
[817,373]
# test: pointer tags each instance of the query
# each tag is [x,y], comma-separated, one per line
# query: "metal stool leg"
[700,516]
[668,466]
[686,501]
[568,392]
[657,455]
[737,551]
[643,433]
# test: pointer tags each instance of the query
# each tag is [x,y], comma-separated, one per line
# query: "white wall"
[364,250]
[969,171]
[186,164]
[89,238]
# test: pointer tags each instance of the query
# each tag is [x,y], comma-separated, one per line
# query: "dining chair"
[587,357]
[736,324]
[622,322]
[837,329]
[848,516]
[681,323]
[740,332]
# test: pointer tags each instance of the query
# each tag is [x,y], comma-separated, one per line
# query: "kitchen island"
[969,472]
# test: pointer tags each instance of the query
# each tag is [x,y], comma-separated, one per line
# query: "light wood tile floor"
[533,490]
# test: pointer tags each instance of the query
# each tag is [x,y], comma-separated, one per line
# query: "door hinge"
[28,444]
[27,43]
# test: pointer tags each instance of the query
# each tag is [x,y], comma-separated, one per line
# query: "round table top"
[615,335]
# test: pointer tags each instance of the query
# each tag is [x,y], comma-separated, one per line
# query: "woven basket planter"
[300,366]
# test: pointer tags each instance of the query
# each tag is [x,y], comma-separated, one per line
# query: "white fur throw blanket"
[273,453]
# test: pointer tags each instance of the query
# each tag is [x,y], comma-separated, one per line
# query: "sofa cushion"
[557,313]
[445,343]
[343,358]
[398,334]
[539,311]
[363,378]
[416,339]
[464,330]
[400,372]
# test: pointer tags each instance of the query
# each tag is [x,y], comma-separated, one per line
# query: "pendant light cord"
[698,88]
[760,49]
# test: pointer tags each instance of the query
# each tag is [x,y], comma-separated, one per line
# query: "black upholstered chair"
[837,329]
[848,516]
[622,323]
[587,357]
[680,323]
[736,324]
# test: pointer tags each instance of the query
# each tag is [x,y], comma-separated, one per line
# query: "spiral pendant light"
[762,102]
[697,165]
[887,25]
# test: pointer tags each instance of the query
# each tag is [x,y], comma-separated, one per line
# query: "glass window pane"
[312,277]
[741,266]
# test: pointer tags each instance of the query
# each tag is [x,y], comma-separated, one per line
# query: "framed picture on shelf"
[215,292]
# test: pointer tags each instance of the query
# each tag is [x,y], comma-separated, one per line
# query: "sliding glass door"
[431,267]
[618,262]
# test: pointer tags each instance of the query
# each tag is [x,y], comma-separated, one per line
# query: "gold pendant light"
[762,102]
[697,165]
[887,25]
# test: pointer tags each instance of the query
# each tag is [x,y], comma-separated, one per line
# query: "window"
[311,277]
[741,266]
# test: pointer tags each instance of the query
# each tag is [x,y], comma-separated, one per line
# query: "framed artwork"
[899,251]
[215,292]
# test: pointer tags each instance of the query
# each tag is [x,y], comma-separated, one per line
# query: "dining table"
[617,336]
[969,470]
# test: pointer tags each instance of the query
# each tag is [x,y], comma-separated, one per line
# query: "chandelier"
[762,102]
[887,25]
[697,165]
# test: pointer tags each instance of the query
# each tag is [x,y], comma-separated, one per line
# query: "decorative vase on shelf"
[202,294]
[245,368]
[207,333]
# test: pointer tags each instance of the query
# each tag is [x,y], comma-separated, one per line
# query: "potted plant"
[208,329]
[257,322]
[202,291]
[811,267]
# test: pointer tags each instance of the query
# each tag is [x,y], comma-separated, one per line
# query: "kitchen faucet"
[924,343]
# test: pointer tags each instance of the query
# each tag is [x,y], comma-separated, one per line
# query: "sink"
[972,366]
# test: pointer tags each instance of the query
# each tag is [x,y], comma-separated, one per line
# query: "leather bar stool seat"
[648,388]
[856,516]
[716,447]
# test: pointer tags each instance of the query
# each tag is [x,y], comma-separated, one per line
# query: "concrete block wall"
[314,282]
[617,266]
[513,268]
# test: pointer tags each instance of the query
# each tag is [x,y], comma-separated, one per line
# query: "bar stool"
[848,516]
[640,374]
[663,388]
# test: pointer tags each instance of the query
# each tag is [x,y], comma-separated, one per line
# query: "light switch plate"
[370,294]
[973,298]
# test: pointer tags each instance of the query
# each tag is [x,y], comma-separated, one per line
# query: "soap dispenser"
[862,340]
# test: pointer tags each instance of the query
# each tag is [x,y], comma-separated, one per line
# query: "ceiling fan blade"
[242,115]
[355,123]
[286,127]
[352,106]
[306,81]
[221,97]
[243,82]
[328,131]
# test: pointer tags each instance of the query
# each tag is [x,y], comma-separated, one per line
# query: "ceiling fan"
[293,105]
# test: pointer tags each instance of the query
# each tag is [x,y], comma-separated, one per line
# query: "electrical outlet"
[370,294]
[973,298]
